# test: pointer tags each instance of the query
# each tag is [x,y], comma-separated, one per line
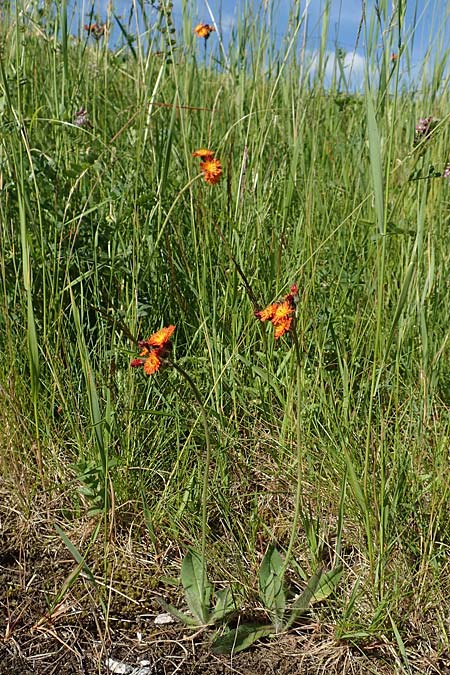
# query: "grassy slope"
[109,233]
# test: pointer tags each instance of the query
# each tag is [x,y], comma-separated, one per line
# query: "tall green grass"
[107,233]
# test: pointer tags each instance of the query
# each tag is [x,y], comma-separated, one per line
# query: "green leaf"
[327,584]
[224,604]
[176,613]
[271,584]
[197,589]
[240,638]
[376,164]
[304,600]
[77,556]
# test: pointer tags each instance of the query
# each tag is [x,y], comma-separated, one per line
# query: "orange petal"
[203,153]
[152,363]
[212,169]
[161,336]
[211,178]
[282,327]
[282,312]
[267,313]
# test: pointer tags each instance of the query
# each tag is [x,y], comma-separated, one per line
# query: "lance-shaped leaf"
[301,604]
[240,638]
[271,575]
[196,586]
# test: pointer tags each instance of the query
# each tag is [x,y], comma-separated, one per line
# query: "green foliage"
[197,592]
[108,232]
[273,597]
[94,488]
[271,580]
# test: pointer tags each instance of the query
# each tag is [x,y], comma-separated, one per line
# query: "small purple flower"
[423,124]
[424,127]
[446,173]
[81,119]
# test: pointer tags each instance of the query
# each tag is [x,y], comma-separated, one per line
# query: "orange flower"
[268,313]
[161,337]
[152,363]
[212,170]
[280,313]
[281,328]
[154,350]
[203,30]
[203,153]
[95,29]
[283,311]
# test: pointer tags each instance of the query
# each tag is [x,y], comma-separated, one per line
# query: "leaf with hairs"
[240,638]
[271,575]
[224,604]
[196,586]
[301,605]
[327,584]
[176,613]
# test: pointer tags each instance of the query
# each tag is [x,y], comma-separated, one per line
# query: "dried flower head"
[203,30]
[281,313]
[154,350]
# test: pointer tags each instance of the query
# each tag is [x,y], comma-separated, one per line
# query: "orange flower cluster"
[203,30]
[97,30]
[154,350]
[281,313]
[209,165]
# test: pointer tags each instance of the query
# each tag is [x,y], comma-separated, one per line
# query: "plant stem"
[298,491]
[198,397]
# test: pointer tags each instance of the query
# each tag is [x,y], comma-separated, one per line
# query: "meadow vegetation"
[329,445]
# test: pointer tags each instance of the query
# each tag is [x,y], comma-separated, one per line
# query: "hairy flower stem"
[198,397]
[298,491]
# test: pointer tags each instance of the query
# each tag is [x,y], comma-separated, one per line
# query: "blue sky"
[432,20]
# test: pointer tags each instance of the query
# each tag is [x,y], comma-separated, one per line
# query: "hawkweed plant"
[273,568]
[283,317]
[155,354]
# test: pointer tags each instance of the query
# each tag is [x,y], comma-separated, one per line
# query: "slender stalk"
[198,398]
[298,490]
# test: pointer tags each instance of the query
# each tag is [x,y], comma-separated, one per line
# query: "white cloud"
[353,65]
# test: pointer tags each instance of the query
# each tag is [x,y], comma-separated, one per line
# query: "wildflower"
[154,350]
[161,337]
[203,153]
[424,127]
[281,313]
[446,172]
[97,30]
[203,30]
[81,119]
[209,165]
[267,314]
[212,170]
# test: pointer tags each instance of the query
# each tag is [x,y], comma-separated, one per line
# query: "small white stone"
[163,618]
